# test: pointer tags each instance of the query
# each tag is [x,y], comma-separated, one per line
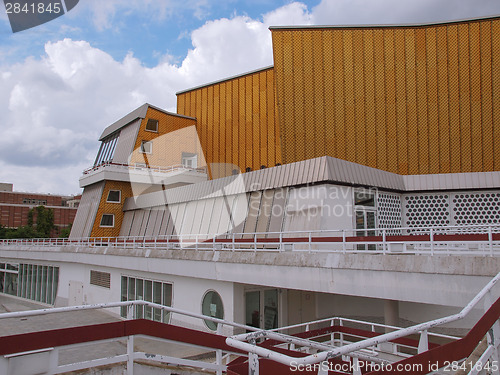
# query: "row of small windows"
[31,281]
[133,288]
[108,220]
[36,202]
[159,292]
[107,149]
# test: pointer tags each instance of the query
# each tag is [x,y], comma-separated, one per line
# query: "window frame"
[208,323]
[119,196]
[143,150]
[107,226]
[151,120]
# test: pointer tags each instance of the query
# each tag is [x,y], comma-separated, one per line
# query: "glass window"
[50,273]
[212,306]
[39,284]
[252,310]
[148,296]
[152,125]
[10,286]
[114,196]
[139,295]
[146,147]
[44,284]
[124,296]
[167,300]
[107,220]
[55,284]
[271,308]
[152,291]
[157,299]
[364,198]
[28,281]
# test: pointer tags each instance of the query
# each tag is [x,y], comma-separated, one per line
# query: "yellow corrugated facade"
[115,209]
[409,100]
[236,121]
[168,142]
[167,148]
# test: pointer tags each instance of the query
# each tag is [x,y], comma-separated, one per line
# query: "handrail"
[381,240]
[238,341]
[137,166]
[54,310]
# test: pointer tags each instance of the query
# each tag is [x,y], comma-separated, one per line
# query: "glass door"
[262,308]
[365,220]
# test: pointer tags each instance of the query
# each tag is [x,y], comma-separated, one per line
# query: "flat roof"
[225,79]
[369,26]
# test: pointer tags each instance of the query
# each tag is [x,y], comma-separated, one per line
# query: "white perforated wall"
[427,210]
[389,210]
[476,208]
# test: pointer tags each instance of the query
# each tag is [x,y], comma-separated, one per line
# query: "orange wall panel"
[406,99]
[236,121]
[111,208]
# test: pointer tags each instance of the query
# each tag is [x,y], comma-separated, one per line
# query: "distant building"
[15,206]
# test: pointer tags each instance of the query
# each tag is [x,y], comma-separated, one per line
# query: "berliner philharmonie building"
[356,180]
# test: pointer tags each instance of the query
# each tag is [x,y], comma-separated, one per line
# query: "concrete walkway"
[12,326]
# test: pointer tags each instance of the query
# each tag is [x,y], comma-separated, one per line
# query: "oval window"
[212,306]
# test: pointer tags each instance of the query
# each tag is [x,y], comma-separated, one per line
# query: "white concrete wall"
[187,292]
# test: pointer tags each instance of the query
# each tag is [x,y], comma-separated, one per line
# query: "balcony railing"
[141,167]
[451,240]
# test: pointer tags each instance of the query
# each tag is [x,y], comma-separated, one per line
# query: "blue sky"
[63,82]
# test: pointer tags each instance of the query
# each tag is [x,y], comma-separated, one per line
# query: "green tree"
[65,232]
[44,222]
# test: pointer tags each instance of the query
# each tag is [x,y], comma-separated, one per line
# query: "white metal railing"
[220,356]
[131,355]
[247,341]
[480,240]
[341,339]
[141,166]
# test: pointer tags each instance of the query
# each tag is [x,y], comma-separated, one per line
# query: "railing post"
[253,362]
[310,240]
[431,235]
[130,312]
[493,335]
[233,240]
[490,240]
[384,243]
[218,352]
[130,355]
[53,360]
[423,343]
[343,241]
[356,369]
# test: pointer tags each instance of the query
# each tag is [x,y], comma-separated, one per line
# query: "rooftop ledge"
[143,174]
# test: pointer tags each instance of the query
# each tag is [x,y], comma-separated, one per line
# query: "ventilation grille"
[100,279]
[427,210]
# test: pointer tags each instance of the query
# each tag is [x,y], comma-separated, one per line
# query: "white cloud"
[53,109]
[344,12]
